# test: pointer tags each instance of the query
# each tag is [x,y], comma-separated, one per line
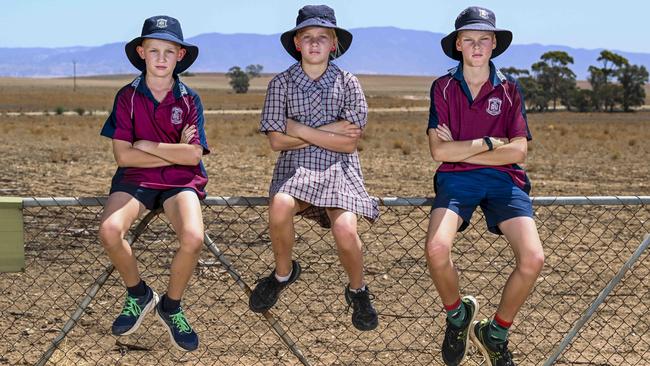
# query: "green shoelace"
[180,322]
[131,307]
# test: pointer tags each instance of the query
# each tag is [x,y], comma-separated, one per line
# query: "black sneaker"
[454,346]
[495,354]
[364,315]
[268,290]
[180,332]
[133,312]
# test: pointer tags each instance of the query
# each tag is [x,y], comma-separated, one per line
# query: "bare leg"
[120,212]
[522,235]
[184,213]
[443,226]
[348,243]
[282,209]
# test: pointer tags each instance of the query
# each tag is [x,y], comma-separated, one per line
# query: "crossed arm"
[150,154]
[340,136]
[444,149]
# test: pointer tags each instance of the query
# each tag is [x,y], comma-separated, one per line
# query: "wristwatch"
[488,142]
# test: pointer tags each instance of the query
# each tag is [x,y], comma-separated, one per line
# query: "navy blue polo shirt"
[497,111]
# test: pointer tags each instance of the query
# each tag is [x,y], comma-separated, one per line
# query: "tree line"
[615,84]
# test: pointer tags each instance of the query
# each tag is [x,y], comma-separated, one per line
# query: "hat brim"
[192,52]
[344,37]
[503,36]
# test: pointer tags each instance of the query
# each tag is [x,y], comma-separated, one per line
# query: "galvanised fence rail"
[589,306]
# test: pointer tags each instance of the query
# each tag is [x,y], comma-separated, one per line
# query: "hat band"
[166,32]
[478,21]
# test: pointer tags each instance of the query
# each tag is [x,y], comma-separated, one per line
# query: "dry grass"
[95,93]
[571,154]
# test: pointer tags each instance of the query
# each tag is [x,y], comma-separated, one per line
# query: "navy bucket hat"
[477,19]
[316,16]
[167,29]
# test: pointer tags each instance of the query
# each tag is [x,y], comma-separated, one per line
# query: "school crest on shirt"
[177,116]
[494,106]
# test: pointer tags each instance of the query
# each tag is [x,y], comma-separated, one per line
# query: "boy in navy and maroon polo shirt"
[158,138]
[478,131]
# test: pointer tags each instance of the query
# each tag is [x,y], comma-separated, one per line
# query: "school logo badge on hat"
[177,116]
[161,23]
[494,106]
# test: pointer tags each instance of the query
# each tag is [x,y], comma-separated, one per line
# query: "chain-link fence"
[59,310]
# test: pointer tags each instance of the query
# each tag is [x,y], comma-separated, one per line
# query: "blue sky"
[620,25]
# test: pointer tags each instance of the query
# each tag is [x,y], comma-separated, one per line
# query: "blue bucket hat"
[316,16]
[167,29]
[477,19]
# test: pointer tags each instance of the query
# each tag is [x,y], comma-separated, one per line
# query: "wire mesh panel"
[67,270]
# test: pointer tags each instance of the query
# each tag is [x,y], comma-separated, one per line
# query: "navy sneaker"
[495,354]
[135,308]
[180,332]
[268,290]
[364,315]
[456,342]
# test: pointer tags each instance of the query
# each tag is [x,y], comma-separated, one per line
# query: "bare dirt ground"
[571,154]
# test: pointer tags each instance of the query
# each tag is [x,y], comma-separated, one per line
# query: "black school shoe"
[268,290]
[364,315]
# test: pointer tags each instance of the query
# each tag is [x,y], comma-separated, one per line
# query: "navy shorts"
[493,190]
[151,198]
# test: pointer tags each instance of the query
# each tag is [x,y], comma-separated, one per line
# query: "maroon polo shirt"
[137,115]
[497,111]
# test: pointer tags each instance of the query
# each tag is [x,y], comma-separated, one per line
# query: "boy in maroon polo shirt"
[158,138]
[478,131]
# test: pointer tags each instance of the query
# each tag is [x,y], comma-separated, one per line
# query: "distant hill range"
[376,50]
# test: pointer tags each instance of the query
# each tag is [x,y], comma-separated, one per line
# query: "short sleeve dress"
[318,176]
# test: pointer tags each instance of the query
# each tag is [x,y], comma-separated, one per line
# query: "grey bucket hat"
[316,16]
[479,19]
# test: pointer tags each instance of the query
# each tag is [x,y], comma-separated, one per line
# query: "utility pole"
[74,75]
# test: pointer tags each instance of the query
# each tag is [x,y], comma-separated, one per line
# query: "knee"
[345,234]
[532,264]
[191,240]
[111,233]
[438,253]
[281,210]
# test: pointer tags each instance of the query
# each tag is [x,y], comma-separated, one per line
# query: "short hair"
[469,30]
[172,42]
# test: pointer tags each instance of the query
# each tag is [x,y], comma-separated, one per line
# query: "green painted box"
[12,242]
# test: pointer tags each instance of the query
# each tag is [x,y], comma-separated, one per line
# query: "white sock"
[283,278]
[356,290]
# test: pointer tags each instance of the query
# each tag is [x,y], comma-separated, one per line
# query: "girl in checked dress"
[314,114]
